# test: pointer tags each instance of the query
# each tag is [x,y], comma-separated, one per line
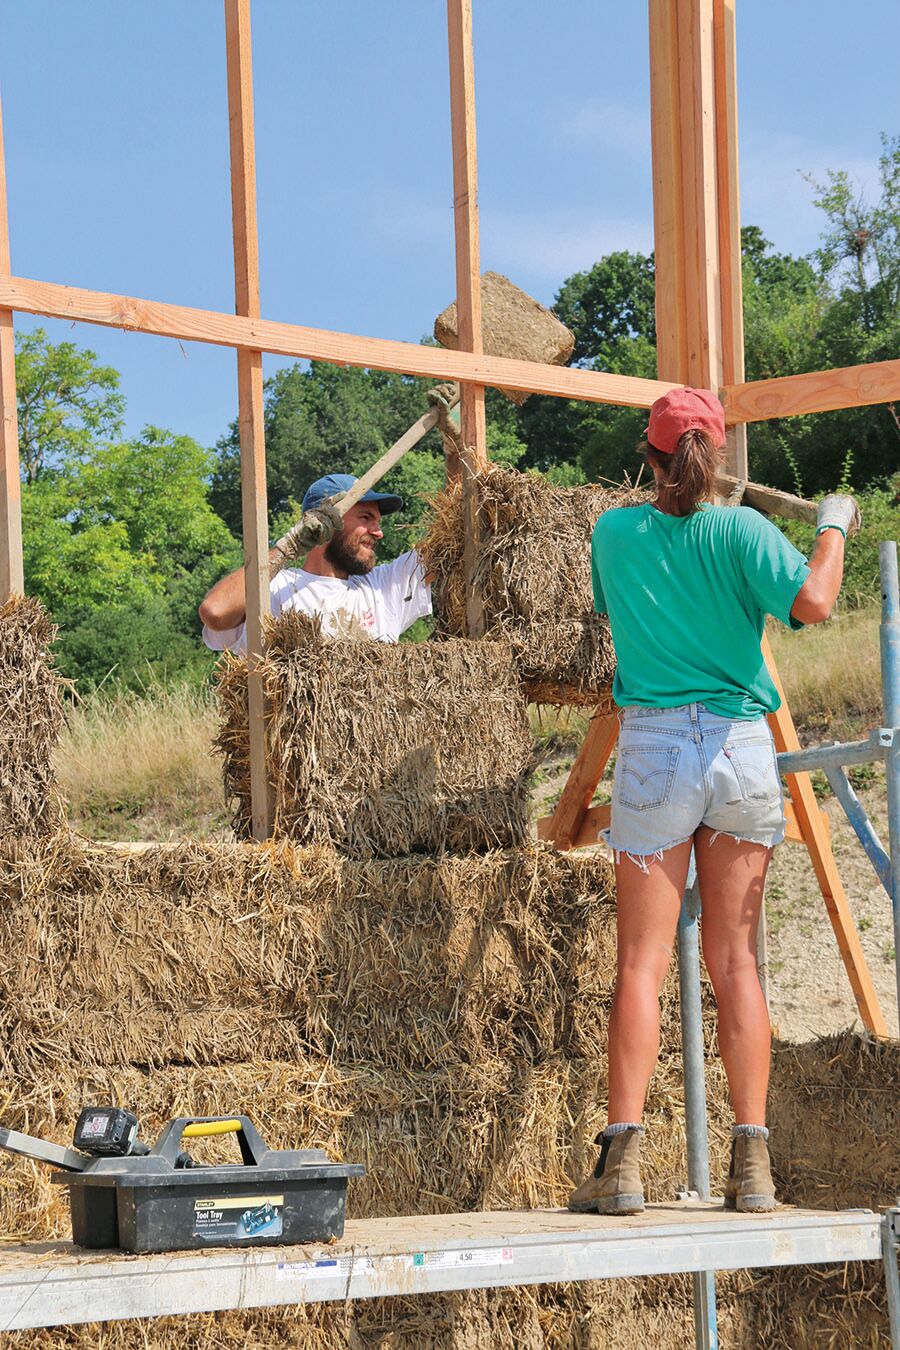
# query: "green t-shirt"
[687,598]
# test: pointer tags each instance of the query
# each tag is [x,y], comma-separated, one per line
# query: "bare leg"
[732,879]
[647,908]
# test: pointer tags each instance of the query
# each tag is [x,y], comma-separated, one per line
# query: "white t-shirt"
[383,604]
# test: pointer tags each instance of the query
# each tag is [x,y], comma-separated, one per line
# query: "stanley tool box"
[139,1199]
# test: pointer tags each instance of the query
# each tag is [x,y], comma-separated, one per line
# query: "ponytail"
[688,476]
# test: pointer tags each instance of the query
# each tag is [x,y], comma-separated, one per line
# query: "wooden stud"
[473,455]
[12,575]
[250,397]
[465,220]
[567,820]
[696,97]
[809,820]
[321,344]
[729,220]
[756,401]
[668,214]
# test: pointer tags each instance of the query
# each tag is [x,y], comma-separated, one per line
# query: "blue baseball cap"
[333,483]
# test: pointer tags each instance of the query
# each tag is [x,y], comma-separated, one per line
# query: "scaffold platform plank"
[52,1284]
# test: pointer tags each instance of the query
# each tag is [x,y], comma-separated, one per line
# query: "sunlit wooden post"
[728,198]
[693,92]
[250,395]
[468,281]
[12,578]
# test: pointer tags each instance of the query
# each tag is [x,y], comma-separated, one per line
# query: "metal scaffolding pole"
[692,1051]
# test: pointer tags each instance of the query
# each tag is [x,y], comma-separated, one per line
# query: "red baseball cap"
[682,410]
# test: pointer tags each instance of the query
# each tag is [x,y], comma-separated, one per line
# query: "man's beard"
[338,553]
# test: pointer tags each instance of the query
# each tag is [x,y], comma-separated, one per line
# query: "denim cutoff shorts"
[679,768]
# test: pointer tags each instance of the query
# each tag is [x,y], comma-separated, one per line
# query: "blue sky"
[115,123]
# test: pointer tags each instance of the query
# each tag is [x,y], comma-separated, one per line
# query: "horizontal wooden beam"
[790,395]
[321,344]
[817,391]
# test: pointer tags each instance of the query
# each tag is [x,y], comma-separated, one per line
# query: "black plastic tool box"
[147,1204]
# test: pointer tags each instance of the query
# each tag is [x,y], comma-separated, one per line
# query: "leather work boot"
[614,1187]
[750,1187]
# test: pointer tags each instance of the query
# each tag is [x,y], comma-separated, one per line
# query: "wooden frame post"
[697,239]
[589,767]
[473,432]
[12,574]
[729,210]
[250,396]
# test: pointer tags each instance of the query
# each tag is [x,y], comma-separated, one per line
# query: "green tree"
[66,402]
[121,542]
[854,318]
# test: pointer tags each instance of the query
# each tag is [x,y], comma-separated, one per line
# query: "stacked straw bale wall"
[381,749]
[442,1020]
[533,575]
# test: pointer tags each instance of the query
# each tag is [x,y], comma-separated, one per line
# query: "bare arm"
[225,604]
[816,597]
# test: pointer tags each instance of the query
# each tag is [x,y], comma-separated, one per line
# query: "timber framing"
[699,329]
[755,401]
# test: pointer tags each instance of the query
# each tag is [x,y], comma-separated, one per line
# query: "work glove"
[838,511]
[445,398]
[313,529]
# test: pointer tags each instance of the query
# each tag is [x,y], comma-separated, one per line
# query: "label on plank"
[466,1257]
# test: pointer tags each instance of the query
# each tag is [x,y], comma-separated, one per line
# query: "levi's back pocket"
[645,775]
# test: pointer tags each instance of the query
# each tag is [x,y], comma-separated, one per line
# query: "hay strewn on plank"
[533,574]
[31,713]
[384,749]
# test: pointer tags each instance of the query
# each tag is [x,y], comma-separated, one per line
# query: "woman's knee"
[643,971]
[730,969]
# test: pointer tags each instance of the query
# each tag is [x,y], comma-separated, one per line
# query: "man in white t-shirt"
[339,580]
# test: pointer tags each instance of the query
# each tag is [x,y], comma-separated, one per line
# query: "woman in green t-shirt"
[687,587]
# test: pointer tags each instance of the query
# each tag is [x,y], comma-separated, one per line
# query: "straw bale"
[513,325]
[533,574]
[835,1118]
[384,749]
[31,712]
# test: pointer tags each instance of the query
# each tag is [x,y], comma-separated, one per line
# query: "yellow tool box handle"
[204,1127]
[253,1150]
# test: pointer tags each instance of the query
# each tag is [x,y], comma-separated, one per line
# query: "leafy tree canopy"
[66,402]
